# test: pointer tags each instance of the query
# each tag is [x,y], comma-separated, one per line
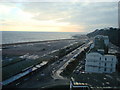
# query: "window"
[111,65]
[99,69]
[105,59]
[104,69]
[100,58]
[111,69]
[105,64]
[112,59]
[99,64]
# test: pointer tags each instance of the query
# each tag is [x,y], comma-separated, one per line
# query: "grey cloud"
[92,14]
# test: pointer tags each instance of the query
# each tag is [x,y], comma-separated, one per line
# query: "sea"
[9,37]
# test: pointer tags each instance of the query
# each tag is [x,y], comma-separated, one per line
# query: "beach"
[38,48]
[19,56]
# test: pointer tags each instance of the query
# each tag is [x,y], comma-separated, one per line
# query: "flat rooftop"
[99,80]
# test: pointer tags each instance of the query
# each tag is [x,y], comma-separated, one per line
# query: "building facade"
[97,59]
[98,63]
[101,42]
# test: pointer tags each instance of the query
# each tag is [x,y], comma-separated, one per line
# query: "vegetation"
[16,68]
[9,62]
[72,65]
[65,51]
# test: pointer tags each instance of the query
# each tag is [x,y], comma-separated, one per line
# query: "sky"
[58,16]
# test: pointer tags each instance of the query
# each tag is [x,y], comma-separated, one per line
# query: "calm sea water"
[15,37]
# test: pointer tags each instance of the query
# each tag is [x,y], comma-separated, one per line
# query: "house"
[97,59]
[97,62]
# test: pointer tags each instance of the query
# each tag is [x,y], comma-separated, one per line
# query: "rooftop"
[100,51]
[104,80]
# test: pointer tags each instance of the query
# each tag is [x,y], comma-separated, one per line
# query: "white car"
[42,74]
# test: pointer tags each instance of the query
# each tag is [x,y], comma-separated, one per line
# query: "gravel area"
[35,48]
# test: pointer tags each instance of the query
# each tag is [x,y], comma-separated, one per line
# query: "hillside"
[113,33]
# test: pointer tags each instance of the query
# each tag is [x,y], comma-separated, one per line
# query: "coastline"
[24,54]
[19,43]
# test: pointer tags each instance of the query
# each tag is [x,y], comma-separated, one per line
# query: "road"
[66,59]
[51,74]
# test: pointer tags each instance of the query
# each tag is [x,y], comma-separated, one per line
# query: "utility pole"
[119,14]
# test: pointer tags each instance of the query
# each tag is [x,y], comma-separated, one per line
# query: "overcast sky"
[58,17]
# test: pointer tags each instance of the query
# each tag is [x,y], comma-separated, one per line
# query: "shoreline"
[19,43]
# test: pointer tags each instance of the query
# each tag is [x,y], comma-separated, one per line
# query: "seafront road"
[51,74]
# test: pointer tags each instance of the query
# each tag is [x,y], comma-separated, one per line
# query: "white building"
[100,63]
